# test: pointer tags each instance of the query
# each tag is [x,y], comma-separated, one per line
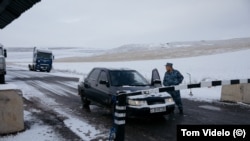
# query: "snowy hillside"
[171,45]
[132,52]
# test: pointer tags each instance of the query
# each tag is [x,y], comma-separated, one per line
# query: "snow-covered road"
[58,95]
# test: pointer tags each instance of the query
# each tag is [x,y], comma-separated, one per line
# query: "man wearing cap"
[173,77]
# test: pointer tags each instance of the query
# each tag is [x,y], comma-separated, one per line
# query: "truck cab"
[3,55]
[42,60]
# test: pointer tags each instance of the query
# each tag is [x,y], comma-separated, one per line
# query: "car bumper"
[43,67]
[147,111]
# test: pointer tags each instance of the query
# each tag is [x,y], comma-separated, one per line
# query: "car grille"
[154,101]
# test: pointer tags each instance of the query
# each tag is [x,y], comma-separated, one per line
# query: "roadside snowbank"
[8,87]
[37,131]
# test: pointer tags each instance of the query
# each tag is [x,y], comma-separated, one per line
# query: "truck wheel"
[33,68]
[2,79]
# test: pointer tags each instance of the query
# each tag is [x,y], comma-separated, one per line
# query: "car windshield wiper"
[119,85]
[140,85]
[132,85]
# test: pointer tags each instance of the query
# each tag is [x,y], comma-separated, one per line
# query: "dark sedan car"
[102,85]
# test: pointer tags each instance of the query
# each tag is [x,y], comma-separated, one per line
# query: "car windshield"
[44,55]
[127,78]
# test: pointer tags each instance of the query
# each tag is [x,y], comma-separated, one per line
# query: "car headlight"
[136,102]
[169,100]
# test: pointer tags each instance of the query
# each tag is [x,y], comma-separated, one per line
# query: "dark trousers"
[177,99]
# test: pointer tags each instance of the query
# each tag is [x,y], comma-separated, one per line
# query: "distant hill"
[133,52]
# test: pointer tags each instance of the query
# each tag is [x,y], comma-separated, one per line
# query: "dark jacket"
[172,78]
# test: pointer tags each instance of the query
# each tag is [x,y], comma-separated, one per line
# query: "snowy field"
[223,66]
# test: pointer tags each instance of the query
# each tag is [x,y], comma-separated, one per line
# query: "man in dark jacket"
[173,77]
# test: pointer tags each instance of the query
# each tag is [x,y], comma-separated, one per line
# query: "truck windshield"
[127,78]
[44,55]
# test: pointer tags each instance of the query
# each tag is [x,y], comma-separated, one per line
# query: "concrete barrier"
[236,93]
[11,109]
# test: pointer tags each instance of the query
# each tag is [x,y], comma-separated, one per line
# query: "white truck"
[3,55]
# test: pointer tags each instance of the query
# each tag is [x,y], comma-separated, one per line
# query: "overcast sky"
[112,23]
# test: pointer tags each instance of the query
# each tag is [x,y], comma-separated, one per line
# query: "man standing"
[173,77]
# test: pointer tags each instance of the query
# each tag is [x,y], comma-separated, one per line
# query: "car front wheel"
[85,101]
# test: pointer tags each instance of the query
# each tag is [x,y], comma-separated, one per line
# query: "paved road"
[63,90]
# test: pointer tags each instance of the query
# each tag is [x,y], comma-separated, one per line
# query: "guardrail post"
[119,117]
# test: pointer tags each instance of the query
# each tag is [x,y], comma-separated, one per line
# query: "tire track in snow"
[71,84]
[55,89]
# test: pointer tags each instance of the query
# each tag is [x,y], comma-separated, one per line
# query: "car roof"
[114,69]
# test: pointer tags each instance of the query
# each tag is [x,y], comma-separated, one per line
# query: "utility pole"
[191,94]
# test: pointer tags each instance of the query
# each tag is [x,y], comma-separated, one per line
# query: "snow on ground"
[8,86]
[83,130]
[78,126]
[38,131]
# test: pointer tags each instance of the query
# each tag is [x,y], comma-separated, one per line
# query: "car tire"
[85,101]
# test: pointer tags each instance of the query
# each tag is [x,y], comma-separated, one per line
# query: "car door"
[156,79]
[103,88]
[90,84]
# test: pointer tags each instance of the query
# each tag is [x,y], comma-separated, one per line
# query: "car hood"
[130,88]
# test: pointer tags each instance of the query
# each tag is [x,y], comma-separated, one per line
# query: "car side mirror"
[156,82]
[104,82]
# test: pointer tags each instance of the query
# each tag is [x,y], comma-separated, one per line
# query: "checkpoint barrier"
[11,110]
[190,86]
[118,131]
